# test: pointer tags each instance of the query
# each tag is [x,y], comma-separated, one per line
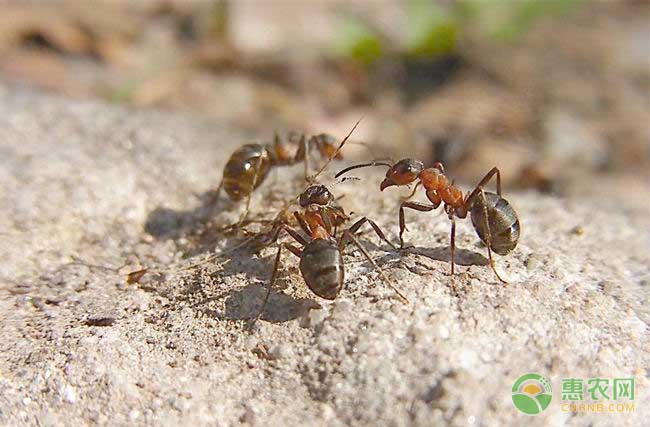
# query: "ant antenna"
[362,165]
[347,178]
[338,149]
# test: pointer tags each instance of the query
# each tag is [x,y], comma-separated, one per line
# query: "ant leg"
[274,275]
[374,226]
[347,235]
[402,224]
[276,230]
[323,211]
[482,183]
[276,266]
[453,242]
[293,233]
[246,210]
[488,235]
[301,221]
[294,250]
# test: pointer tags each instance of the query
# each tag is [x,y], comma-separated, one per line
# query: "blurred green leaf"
[433,31]
[359,42]
[439,41]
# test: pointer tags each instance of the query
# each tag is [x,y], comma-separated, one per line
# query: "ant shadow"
[164,223]
[202,226]
[244,304]
[463,257]
[238,267]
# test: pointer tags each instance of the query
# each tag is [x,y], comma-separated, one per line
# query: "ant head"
[316,194]
[402,173]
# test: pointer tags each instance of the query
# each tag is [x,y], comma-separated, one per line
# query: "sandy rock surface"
[89,193]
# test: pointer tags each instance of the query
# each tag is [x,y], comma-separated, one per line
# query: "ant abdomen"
[246,169]
[321,265]
[504,226]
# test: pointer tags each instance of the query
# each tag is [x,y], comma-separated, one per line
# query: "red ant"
[494,220]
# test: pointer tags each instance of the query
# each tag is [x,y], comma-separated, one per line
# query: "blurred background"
[555,92]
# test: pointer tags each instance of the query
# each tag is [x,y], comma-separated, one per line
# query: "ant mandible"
[494,220]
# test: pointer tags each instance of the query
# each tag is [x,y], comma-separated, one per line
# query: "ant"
[494,220]
[250,164]
[321,256]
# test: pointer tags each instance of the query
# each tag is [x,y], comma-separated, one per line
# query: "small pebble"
[250,415]
[533,262]
[443,332]
[316,317]
[69,394]
[327,412]
[607,286]
[577,230]
[279,351]
[400,274]
[342,307]
[251,342]
[100,321]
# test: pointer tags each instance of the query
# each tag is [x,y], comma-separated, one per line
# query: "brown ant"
[494,220]
[321,257]
[250,164]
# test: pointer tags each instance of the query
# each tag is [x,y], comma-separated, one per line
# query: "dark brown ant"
[494,220]
[321,257]
[250,164]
